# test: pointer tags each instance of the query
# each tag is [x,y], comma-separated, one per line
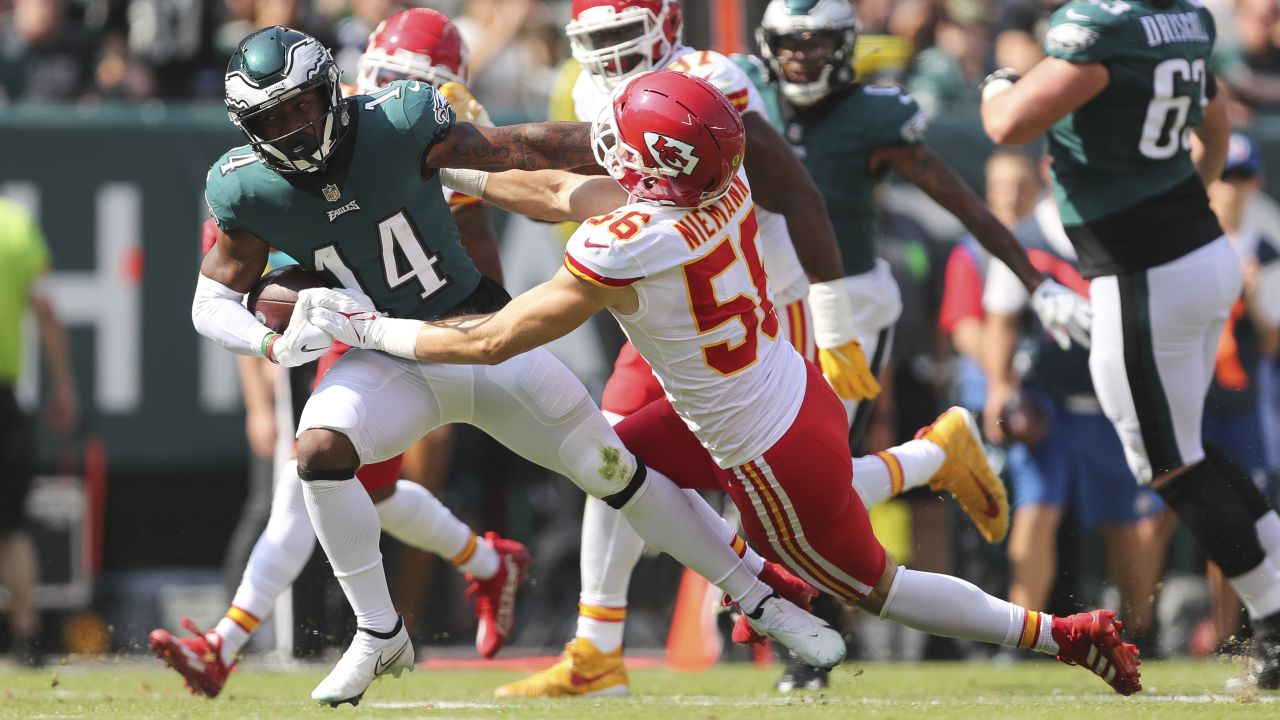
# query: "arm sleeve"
[218,313]
[1004,293]
[961,291]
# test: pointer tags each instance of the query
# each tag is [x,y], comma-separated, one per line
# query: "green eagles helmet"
[273,66]
[789,18]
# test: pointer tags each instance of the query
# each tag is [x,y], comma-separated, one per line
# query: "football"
[271,300]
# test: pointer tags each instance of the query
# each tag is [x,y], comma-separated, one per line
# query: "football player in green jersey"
[351,187]
[850,135]
[1122,93]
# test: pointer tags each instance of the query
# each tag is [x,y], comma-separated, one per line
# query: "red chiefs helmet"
[615,39]
[415,44]
[670,138]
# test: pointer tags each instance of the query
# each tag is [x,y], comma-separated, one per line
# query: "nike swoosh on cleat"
[579,680]
[379,666]
[993,508]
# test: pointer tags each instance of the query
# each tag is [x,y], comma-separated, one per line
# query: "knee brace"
[623,496]
[339,474]
[1219,520]
[1237,478]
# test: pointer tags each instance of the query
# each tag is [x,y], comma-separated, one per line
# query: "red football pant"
[797,500]
[375,476]
[632,384]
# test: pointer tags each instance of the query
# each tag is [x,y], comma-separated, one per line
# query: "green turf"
[862,691]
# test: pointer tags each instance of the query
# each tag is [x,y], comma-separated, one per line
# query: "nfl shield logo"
[331,192]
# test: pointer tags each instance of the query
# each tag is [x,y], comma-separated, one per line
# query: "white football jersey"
[785,273]
[706,322]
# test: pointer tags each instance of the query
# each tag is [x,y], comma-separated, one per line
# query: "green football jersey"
[375,224]
[835,141]
[1132,141]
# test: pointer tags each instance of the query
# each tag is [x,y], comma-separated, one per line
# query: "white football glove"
[301,342]
[1065,315]
[350,317]
[345,314]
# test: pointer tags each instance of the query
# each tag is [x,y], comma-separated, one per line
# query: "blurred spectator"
[879,56]
[1050,406]
[947,75]
[351,33]
[43,53]
[1019,33]
[515,46]
[1249,66]
[119,76]
[24,259]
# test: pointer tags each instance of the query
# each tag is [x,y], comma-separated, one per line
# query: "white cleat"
[368,659]
[809,637]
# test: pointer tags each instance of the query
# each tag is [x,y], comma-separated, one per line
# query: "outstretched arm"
[545,313]
[551,195]
[923,167]
[530,146]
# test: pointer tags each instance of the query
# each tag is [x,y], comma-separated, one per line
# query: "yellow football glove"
[464,104]
[847,370]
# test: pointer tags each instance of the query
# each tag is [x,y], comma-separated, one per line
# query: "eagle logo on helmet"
[670,153]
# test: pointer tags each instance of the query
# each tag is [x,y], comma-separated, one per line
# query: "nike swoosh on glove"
[847,370]
[1065,315]
[301,342]
[347,315]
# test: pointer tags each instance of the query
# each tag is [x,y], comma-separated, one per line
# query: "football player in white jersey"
[614,40]
[680,269]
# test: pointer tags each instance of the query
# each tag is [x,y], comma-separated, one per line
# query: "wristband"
[832,314]
[395,336]
[267,341]
[467,182]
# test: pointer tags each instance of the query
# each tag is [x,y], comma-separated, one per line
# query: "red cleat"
[1092,640]
[496,597]
[198,660]
[791,588]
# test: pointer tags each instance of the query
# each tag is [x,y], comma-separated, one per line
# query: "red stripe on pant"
[808,471]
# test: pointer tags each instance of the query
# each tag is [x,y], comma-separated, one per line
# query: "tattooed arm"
[531,146]
[928,172]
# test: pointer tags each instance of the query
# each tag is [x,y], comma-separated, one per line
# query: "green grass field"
[133,689]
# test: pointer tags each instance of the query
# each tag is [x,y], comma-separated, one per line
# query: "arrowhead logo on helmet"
[671,153]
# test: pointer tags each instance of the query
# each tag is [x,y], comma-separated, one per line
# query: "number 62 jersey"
[1121,162]
[371,219]
[706,322]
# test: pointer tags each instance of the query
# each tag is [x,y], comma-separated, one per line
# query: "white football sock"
[879,477]
[1259,589]
[347,526]
[951,607]
[417,518]
[610,551]
[1268,528]
[754,562]
[277,558]
[662,515]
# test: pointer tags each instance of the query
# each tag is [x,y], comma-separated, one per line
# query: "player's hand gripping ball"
[274,302]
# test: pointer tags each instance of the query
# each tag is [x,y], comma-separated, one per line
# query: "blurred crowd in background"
[98,51]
